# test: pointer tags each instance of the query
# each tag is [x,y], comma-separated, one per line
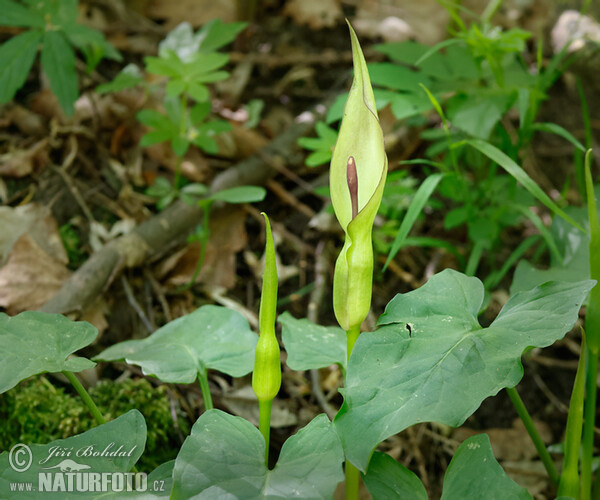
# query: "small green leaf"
[494,154]
[386,479]
[478,113]
[182,41]
[195,189]
[199,112]
[322,145]
[475,473]
[397,77]
[240,194]
[202,64]
[180,145]
[225,455]
[169,65]
[175,87]
[153,118]
[129,77]
[155,137]
[35,342]
[16,58]
[414,210]
[311,346]
[58,62]
[211,337]
[214,34]
[127,431]
[92,43]
[14,14]
[198,92]
[431,360]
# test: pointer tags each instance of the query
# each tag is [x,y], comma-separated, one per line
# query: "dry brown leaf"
[23,162]
[35,220]
[31,124]
[195,12]
[30,277]
[317,14]
[95,314]
[227,237]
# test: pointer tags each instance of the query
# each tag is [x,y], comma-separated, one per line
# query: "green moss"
[37,412]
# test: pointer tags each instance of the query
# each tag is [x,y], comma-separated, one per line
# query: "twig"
[74,191]
[160,294]
[135,305]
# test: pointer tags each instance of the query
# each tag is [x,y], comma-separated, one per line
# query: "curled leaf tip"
[352,178]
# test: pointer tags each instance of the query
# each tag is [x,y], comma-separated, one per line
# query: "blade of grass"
[569,478]
[553,128]
[416,207]
[494,278]
[539,225]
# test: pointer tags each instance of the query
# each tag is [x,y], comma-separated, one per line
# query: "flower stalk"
[357,178]
[266,377]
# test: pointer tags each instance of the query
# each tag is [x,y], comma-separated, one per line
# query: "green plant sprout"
[266,377]
[54,24]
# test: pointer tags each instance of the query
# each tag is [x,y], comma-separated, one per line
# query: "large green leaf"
[14,14]
[224,457]
[477,113]
[58,62]
[311,346]
[389,479]
[35,342]
[118,445]
[16,58]
[211,337]
[159,485]
[474,473]
[432,361]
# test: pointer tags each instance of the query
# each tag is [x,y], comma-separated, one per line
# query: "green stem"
[474,258]
[588,425]
[203,379]
[533,434]
[569,479]
[351,338]
[264,424]
[352,481]
[352,474]
[86,397]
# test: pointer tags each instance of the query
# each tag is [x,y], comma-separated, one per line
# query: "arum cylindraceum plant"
[429,360]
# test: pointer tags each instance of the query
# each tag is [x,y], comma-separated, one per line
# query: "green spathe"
[266,378]
[358,166]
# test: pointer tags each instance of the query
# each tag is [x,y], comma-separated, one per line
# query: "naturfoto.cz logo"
[70,475]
